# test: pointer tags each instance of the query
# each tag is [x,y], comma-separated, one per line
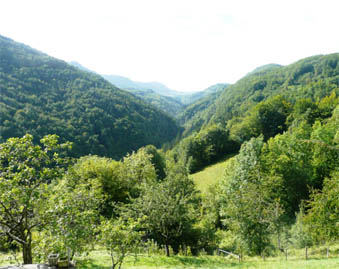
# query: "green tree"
[247,205]
[26,170]
[300,231]
[75,205]
[120,238]
[158,161]
[167,209]
[109,177]
[323,215]
[137,169]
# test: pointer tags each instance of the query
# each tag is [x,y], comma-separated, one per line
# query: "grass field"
[101,260]
[210,175]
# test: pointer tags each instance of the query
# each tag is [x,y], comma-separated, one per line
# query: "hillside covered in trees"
[279,190]
[263,102]
[42,95]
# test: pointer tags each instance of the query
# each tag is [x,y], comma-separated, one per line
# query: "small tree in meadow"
[120,238]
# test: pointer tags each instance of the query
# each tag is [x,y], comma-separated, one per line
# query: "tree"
[167,209]
[323,215]
[247,205]
[25,173]
[300,231]
[119,237]
[75,205]
[158,161]
[106,174]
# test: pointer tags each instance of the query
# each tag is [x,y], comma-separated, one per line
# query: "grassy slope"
[210,175]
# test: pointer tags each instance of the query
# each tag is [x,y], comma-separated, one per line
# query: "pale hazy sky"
[187,44]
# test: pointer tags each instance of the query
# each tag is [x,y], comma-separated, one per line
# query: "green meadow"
[210,175]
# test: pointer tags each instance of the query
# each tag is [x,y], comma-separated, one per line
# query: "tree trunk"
[306,253]
[167,250]
[27,252]
[279,243]
[327,252]
[112,258]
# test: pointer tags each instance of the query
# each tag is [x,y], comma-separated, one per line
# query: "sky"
[188,45]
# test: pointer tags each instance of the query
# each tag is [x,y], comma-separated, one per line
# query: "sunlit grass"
[210,175]
[101,259]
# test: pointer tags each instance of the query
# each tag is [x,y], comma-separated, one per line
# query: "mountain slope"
[165,103]
[42,95]
[298,80]
[126,83]
[168,104]
[191,98]
[312,72]
[157,94]
[198,113]
[266,102]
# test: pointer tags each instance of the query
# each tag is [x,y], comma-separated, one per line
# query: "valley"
[102,163]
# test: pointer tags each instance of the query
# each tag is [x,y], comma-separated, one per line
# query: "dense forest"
[42,95]
[91,168]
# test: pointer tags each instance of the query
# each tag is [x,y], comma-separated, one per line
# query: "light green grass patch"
[100,260]
[210,175]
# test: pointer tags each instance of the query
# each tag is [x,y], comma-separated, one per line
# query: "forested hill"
[268,101]
[313,77]
[42,95]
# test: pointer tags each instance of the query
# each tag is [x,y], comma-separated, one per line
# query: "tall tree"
[247,206]
[25,171]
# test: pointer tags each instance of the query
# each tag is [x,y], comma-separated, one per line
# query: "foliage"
[106,174]
[43,95]
[267,118]
[204,148]
[25,170]
[158,161]
[197,114]
[300,231]
[74,205]
[263,101]
[244,182]
[166,209]
[119,238]
[323,215]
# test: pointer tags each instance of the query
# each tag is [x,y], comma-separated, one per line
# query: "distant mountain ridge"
[170,101]
[126,83]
